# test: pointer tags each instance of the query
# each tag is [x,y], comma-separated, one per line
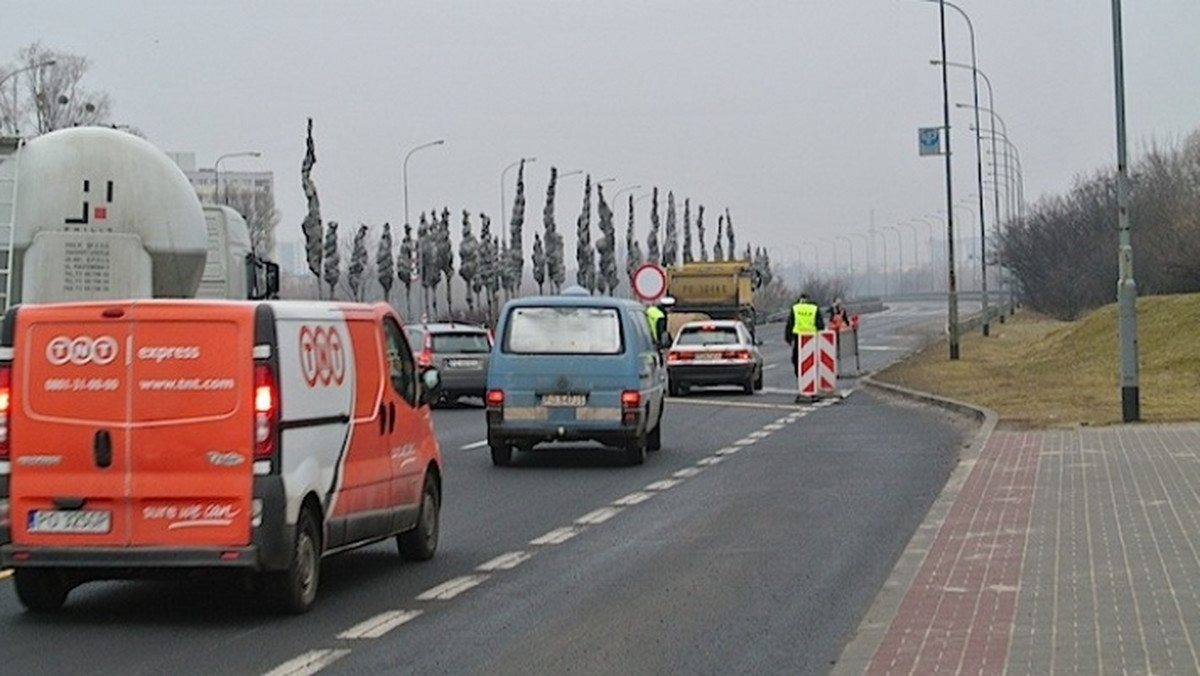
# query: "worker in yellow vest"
[804,318]
[657,317]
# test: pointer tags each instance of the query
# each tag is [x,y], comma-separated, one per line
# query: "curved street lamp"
[217,172]
[404,171]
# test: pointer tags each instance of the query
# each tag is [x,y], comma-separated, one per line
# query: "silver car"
[460,353]
[714,352]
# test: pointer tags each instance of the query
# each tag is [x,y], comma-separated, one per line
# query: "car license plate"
[708,355]
[463,363]
[69,521]
[564,399]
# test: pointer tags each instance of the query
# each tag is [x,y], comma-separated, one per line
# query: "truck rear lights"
[266,411]
[5,408]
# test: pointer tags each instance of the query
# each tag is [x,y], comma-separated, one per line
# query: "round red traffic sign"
[649,282]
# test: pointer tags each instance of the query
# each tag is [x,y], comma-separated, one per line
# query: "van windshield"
[564,330]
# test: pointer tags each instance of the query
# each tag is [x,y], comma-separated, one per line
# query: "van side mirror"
[431,385]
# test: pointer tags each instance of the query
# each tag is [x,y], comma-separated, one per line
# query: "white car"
[714,352]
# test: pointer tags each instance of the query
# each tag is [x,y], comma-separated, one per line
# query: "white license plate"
[708,355]
[564,399]
[462,363]
[70,521]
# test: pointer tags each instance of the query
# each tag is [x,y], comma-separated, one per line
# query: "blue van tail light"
[266,411]
[495,399]
[631,403]
[5,408]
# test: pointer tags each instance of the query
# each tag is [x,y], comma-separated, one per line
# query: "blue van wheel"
[635,452]
[501,454]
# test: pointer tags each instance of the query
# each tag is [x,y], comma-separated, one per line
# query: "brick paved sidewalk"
[1059,551]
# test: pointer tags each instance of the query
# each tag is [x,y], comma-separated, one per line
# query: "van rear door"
[132,424]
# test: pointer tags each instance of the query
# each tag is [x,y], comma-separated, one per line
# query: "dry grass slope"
[1038,372]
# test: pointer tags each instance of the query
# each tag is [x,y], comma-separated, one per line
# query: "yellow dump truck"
[717,289]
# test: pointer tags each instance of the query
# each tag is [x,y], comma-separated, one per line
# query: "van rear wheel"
[421,542]
[293,590]
[41,590]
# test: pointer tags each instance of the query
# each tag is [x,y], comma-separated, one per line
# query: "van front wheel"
[421,542]
[41,590]
[294,590]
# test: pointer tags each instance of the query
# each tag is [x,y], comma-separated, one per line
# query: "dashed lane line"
[451,588]
[687,473]
[663,485]
[5,573]
[557,536]
[473,445]
[379,625]
[309,663]
[505,562]
[599,516]
[633,499]
[726,403]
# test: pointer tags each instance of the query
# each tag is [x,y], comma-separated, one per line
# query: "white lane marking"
[557,536]
[663,485]
[599,516]
[505,561]
[633,499]
[759,434]
[451,588]
[729,450]
[309,663]
[379,625]
[768,367]
[474,445]
[774,427]
[710,461]
[686,473]
[744,442]
[5,573]
[727,403]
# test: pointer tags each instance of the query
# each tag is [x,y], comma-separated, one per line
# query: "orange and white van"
[156,436]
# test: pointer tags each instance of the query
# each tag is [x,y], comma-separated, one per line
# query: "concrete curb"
[858,652]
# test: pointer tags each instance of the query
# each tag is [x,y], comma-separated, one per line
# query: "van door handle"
[391,417]
[102,448]
[383,419]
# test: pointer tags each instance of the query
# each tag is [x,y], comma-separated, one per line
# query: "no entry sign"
[649,282]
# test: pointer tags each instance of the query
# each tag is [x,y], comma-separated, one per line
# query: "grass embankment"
[1039,372]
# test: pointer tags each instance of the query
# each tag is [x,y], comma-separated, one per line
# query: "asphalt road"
[751,543]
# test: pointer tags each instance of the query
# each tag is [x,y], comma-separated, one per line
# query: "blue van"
[574,367]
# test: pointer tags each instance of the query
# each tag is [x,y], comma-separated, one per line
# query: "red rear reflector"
[266,410]
[495,397]
[230,556]
[631,398]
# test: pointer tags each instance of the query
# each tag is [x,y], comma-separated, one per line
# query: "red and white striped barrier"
[817,368]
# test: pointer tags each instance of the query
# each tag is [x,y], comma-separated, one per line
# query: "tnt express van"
[150,437]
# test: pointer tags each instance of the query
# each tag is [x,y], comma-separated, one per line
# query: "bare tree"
[606,246]
[406,268]
[468,261]
[652,253]
[729,235]
[516,246]
[431,272]
[332,258]
[539,263]
[633,250]
[670,249]
[718,250]
[258,208]
[445,258]
[311,226]
[687,231]
[555,269]
[700,232]
[358,263]
[489,261]
[385,268]
[53,96]
[584,256]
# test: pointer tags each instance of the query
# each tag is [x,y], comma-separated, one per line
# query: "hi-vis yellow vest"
[804,318]
[653,314]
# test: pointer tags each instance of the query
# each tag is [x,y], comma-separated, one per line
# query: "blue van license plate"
[564,399]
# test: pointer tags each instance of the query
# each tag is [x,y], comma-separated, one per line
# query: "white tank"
[101,213]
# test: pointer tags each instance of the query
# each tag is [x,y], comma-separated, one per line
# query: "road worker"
[805,318]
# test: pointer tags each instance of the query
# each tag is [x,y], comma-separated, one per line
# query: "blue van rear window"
[564,330]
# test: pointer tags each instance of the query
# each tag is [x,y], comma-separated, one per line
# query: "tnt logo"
[322,355]
[81,350]
[100,211]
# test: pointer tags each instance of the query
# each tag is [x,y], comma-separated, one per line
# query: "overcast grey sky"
[800,116]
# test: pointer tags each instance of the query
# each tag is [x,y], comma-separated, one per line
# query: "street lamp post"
[217,172]
[1126,287]
[404,171]
[502,173]
[16,101]
[899,249]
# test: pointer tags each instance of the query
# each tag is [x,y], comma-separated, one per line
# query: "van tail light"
[631,403]
[266,411]
[5,409]
[495,399]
